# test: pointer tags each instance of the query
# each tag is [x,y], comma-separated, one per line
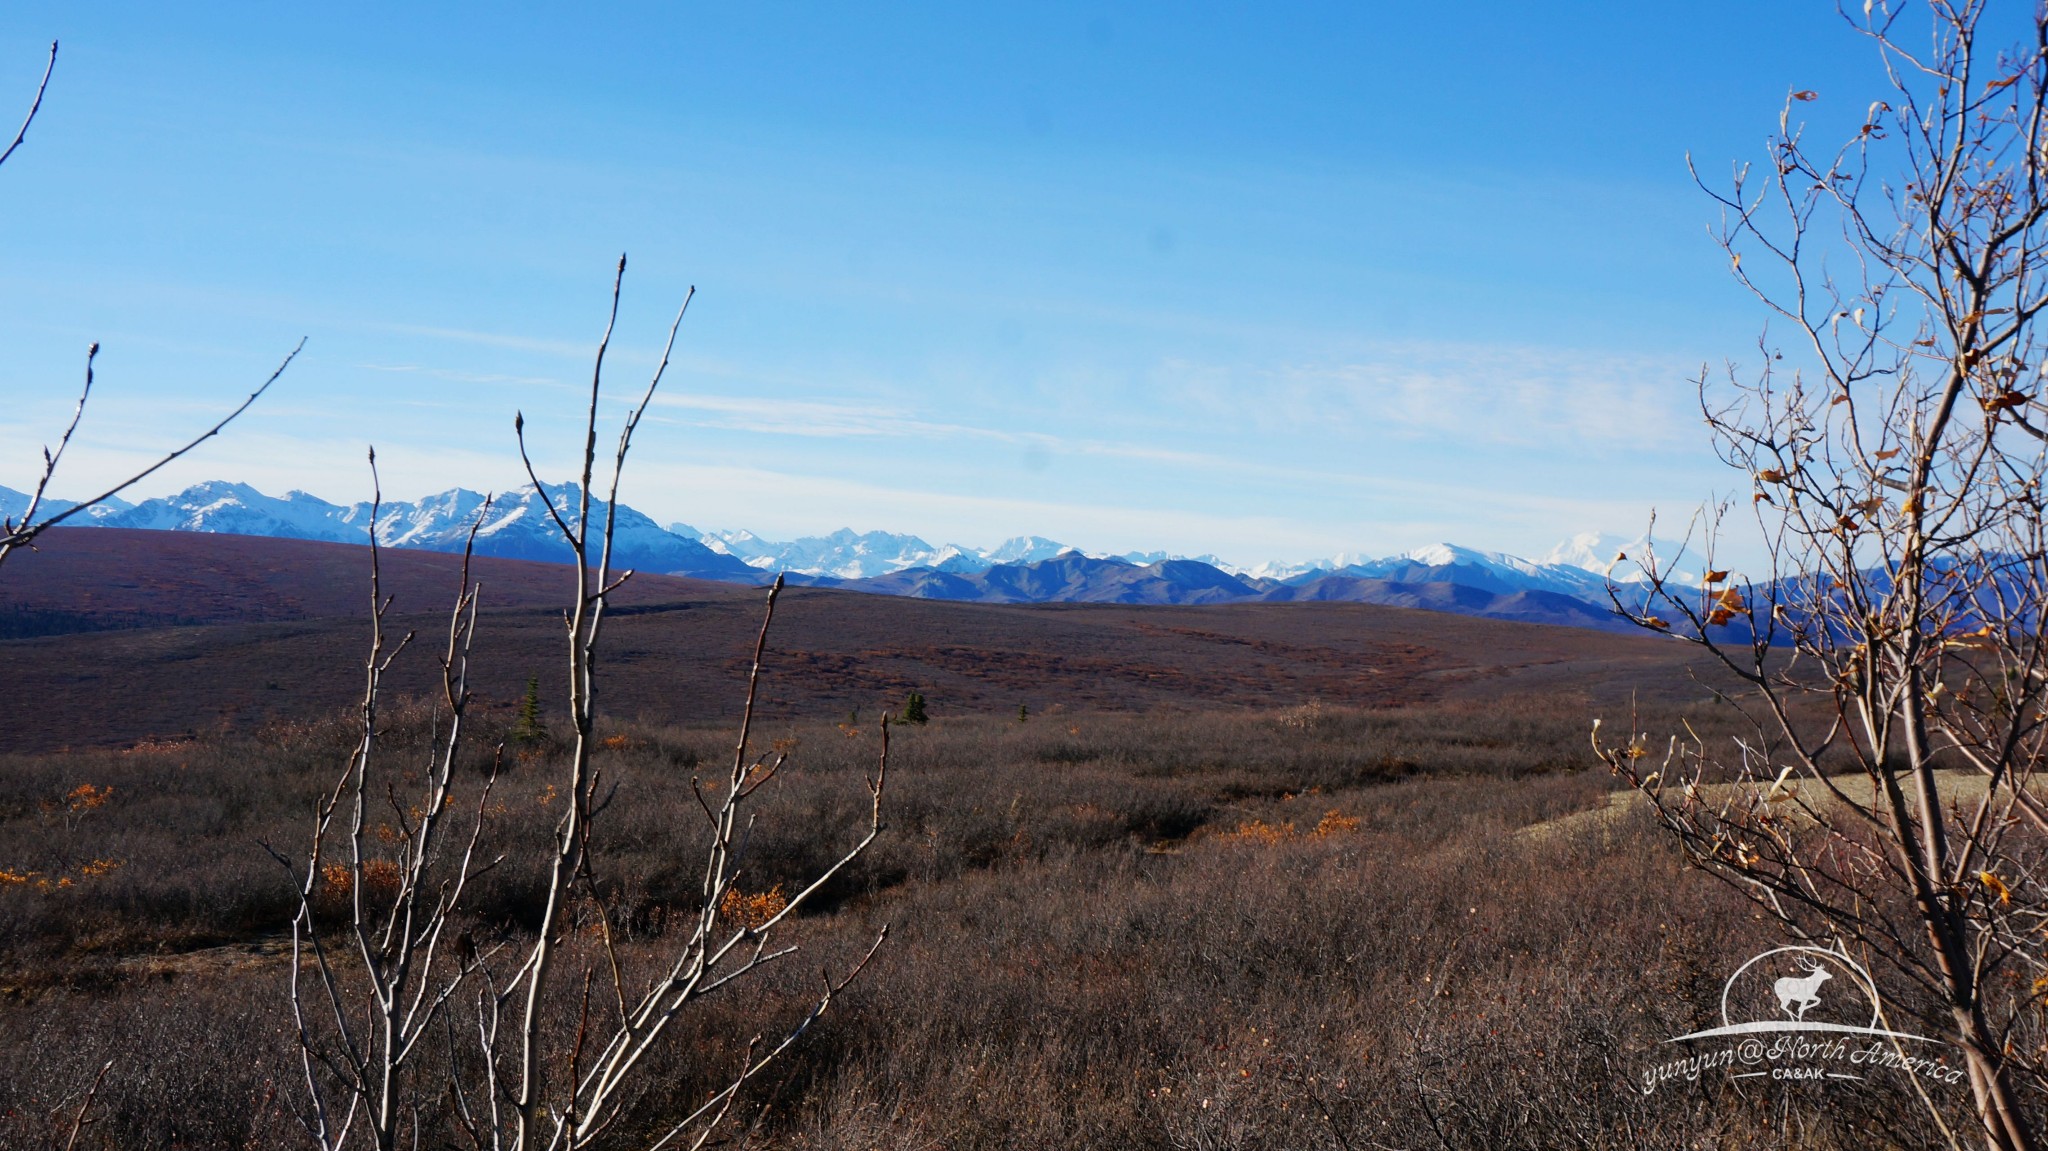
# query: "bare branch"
[34,106]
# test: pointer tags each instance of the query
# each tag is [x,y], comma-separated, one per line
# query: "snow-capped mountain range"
[849,555]
[846,554]
[1568,585]
[519,524]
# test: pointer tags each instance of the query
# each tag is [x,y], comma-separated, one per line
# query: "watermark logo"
[1796,1014]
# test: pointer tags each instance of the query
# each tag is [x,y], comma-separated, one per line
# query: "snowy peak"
[517,526]
[852,555]
[1025,550]
[14,504]
[238,509]
[1590,550]
[1620,559]
[1495,572]
[843,554]
[1289,572]
[1143,559]
[1451,555]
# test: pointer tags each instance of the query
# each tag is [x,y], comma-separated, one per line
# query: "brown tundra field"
[1261,876]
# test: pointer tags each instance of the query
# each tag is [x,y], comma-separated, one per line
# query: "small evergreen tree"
[531,728]
[913,709]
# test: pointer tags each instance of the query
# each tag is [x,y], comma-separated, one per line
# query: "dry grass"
[1191,930]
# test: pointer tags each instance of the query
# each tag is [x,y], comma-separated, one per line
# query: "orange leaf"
[1888,453]
[1653,621]
[1771,476]
[1713,577]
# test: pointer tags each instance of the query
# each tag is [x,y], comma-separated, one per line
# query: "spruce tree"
[913,709]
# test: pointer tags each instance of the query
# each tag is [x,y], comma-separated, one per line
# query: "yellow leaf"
[1653,622]
[1713,577]
[1979,640]
[1996,887]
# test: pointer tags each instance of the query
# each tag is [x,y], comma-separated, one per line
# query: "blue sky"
[1202,278]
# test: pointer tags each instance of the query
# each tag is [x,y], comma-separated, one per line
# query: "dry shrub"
[1086,949]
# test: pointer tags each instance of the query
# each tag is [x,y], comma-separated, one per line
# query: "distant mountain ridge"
[1566,587]
[846,554]
[518,525]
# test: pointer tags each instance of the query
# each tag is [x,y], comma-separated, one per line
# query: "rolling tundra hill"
[121,636]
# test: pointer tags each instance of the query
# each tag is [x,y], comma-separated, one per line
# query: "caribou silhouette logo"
[1798,994]
[1805,1039]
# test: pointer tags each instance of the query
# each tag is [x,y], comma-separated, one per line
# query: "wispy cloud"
[567,348]
[815,418]
[823,419]
[461,377]
[1505,396]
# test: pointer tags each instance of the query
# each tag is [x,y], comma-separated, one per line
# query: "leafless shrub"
[22,530]
[541,1028]
[1058,972]
[1895,458]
